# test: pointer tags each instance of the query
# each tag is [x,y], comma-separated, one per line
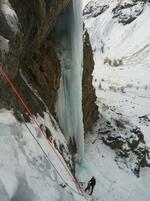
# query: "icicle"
[69,104]
[77,57]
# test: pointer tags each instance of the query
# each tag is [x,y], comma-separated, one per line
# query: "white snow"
[4,43]
[125,89]
[10,15]
[7,117]
[25,174]
[113,184]
[123,92]
[84,2]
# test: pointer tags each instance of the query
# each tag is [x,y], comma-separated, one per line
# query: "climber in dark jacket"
[91,185]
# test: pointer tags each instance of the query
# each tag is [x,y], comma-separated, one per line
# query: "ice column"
[69,106]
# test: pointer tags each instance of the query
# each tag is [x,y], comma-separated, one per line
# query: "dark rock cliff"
[90,109]
[31,51]
[37,19]
[32,57]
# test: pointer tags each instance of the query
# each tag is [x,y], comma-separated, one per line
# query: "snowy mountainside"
[25,174]
[119,33]
[112,183]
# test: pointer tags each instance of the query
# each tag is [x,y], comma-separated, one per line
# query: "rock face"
[37,19]
[44,74]
[124,12]
[111,24]
[31,51]
[90,109]
[128,12]
[93,9]
[127,141]
[32,58]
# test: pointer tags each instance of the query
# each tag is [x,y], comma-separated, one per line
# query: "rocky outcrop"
[128,12]
[145,1]
[32,59]
[125,12]
[127,141]
[31,51]
[37,19]
[90,109]
[44,74]
[93,9]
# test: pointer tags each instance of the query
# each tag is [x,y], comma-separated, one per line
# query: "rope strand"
[47,158]
[10,83]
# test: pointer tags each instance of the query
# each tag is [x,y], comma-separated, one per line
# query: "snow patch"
[25,174]
[10,15]
[4,44]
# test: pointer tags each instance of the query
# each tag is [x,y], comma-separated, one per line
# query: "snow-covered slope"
[25,173]
[113,183]
[120,34]
[120,37]
[120,40]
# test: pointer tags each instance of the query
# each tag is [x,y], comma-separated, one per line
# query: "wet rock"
[44,74]
[90,109]
[31,51]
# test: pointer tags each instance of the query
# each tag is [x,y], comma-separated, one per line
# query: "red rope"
[10,83]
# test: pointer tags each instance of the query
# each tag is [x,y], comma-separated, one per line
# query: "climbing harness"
[12,86]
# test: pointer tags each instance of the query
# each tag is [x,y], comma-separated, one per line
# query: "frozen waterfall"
[69,104]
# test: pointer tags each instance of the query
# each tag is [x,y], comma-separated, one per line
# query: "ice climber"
[90,185]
